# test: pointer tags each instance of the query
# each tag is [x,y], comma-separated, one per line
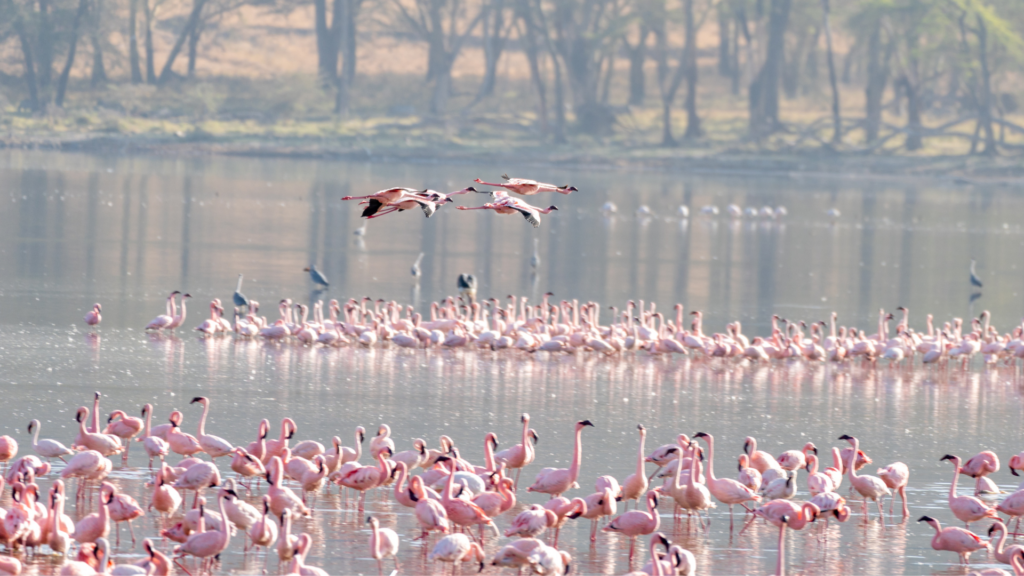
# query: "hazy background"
[630,76]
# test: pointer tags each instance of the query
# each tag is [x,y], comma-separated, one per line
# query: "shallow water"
[124,232]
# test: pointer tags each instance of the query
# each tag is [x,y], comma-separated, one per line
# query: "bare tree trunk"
[837,120]
[559,104]
[99,71]
[133,42]
[62,81]
[44,63]
[529,40]
[493,26]
[193,50]
[326,48]
[693,130]
[985,92]
[637,56]
[26,51]
[878,76]
[724,36]
[607,84]
[734,69]
[147,13]
[190,24]
[914,141]
[764,91]
[345,22]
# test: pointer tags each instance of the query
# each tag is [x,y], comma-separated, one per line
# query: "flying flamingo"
[383,198]
[955,539]
[966,508]
[93,317]
[896,476]
[508,205]
[215,446]
[726,490]
[555,481]
[870,487]
[637,522]
[526,187]
[383,543]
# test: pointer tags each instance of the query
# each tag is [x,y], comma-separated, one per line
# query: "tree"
[62,81]
[764,90]
[494,35]
[837,120]
[436,22]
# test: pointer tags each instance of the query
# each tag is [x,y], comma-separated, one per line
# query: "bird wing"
[372,208]
[531,215]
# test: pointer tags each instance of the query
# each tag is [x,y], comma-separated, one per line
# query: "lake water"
[126,231]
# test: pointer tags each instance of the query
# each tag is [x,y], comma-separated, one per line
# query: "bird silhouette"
[316,276]
[238,298]
[975,281]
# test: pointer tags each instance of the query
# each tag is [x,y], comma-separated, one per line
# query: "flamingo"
[637,522]
[966,508]
[555,481]
[1002,552]
[281,497]
[521,455]
[526,187]
[896,476]
[47,448]
[102,443]
[93,317]
[954,539]
[180,318]
[298,565]
[164,320]
[383,543]
[123,508]
[215,446]
[124,427]
[726,490]
[870,487]
[97,524]
[457,548]
[207,544]
[635,485]
[364,478]
[508,205]
[532,522]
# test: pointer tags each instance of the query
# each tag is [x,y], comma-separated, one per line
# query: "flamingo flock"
[399,199]
[455,504]
[575,327]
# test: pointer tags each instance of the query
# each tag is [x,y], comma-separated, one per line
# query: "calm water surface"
[124,232]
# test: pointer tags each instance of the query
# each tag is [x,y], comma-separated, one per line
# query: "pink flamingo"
[836,471]
[954,539]
[215,446]
[381,441]
[555,481]
[264,532]
[966,508]
[429,513]
[637,522]
[564,509]
[60,525]
[532,522]
[457,548]
[364,478]
[979,467]
[896,476]
[847,454]
[726,490]
[298,565]
[797,515]
[97,524]
[870,487]
[780,564]
[165,498]
[507,205]
[157,564]
[1016,463]
[276,447]
[102,443]
[208,544]
[9,565]
[635,485]
[526,187]
[1002,552]
[1013,506]
[383,543]
[516,554]
[759,460]
[794,459]
[461,512]
[180,442]
[748,476]
[180,318]
[817,482]
[124,427]
[93,317]
[258,448]
[164,320]
[281,497]
[123,508]
[199,477]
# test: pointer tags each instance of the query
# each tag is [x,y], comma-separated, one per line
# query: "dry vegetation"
[255,81]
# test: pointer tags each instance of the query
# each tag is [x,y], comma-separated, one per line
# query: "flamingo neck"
[577,457]
[956,479]
[640,456]
[711,457]
[202,419]
[780,567]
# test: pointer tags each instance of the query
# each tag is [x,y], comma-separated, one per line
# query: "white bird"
[457,548]
[683,211]
[383,543]
[46,447]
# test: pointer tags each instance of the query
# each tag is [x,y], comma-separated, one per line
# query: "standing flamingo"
[635,485]
[93,317]
[896,476]
[215,446]
[966,508]
[555,481]
[124,427]
[47,448]
[457,548]
[383,543]
[954,539]
[637,522]
[521,455]
[726,490]
[164,320]
[870,487]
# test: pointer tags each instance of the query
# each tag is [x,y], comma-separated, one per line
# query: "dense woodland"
[880,71]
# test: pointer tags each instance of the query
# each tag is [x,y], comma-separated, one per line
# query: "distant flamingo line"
[575,327]
[448,495]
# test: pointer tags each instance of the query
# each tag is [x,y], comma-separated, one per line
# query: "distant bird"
[525,187]
[467,286]
[416,266]
[833,213]
[94,317]
[781,211]
[975,281]
[238,298]
[643,211]
[534,261]
[609,208]
[683,211]
[318,278]
[361,231]
[505,204]
[709,210]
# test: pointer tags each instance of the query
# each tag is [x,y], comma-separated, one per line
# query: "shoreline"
[957,170]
